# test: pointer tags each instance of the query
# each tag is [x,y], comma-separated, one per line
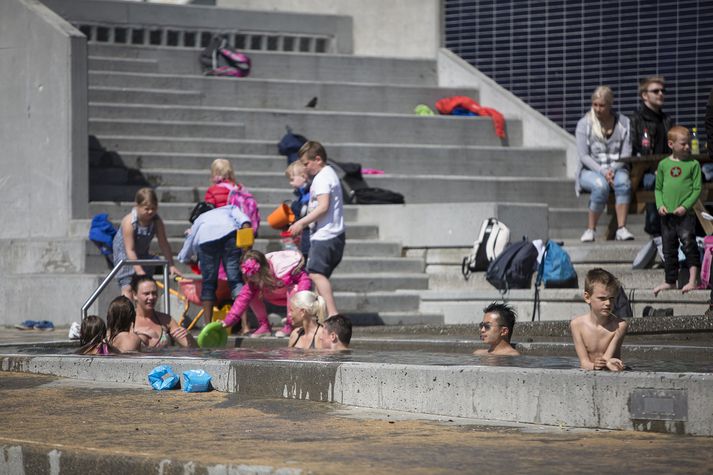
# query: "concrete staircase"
[152,106]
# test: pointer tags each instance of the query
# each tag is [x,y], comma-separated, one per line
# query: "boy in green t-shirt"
[678,186]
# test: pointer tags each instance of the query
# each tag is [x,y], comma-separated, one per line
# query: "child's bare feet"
[688,287]
[661,287]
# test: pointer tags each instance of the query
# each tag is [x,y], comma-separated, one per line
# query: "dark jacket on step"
[657,124]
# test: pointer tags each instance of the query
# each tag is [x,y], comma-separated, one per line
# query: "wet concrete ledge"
[649,401]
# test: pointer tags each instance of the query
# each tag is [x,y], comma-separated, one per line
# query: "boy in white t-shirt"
[325,216]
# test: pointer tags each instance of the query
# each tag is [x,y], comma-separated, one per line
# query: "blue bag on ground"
[162,377]
[196,381]
[556,269]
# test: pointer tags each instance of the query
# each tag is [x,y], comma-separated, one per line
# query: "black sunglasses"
[487,326]
[657,91]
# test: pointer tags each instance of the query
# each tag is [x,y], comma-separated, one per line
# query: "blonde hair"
[677,131]
[221,170]
[294,169]
[607,95]
[146,196]
[313,304]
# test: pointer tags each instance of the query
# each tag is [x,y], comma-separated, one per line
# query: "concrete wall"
[538,130]
[43,83]
[393,28]
[210,18]
[453,224]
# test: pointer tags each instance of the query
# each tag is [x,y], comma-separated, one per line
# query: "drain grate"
[659,404]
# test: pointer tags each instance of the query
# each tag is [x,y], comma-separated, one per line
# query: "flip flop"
[213,335]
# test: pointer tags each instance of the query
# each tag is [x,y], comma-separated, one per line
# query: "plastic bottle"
[695,145]
[288,242]
[645,143]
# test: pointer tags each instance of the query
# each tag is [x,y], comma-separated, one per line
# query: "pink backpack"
[285,262]
[707,261]
[240,196]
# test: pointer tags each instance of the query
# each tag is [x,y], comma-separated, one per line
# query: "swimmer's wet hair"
[120,316]
[340,325]
[506,315]
[601,276]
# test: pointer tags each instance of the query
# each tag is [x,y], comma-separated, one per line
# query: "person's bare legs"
[692,280]
[244,325]
[622,212]
[661,287]
[593,219]
[324,288]
[207,311]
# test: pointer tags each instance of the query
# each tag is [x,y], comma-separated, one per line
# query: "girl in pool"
[92,337]
[308,310]
[133,240]
[272,278]
[120,319]
[156,329]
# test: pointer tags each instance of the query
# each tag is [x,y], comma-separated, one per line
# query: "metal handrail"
[130,262]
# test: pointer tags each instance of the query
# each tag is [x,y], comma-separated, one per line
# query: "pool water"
[369,356]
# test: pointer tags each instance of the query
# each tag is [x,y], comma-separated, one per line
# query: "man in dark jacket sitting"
[650,117]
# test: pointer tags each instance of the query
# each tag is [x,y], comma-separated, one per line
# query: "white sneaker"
[623,234]
[588,235]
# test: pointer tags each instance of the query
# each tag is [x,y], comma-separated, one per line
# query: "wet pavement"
[101,428]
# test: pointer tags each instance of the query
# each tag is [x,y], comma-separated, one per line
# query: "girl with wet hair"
[273,278]
[308,311]
[120,318]
[92,337]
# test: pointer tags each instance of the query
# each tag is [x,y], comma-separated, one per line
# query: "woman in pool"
[156,329]
[92,337]
[308,310]
[120,318]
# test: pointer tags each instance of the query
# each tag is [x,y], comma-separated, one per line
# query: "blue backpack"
[101,233]
[556,271]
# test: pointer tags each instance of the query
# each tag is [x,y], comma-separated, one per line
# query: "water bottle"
[288,242]
[695,145]
[645,143]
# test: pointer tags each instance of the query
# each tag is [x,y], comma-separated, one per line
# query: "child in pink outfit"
[272,278]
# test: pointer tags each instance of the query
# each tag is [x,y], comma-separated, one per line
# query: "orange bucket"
[281,217]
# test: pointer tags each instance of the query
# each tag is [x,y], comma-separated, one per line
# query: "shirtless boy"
[598,334]
[496,330]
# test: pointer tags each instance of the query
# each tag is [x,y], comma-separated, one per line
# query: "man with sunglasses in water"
[652,91]
[496,330]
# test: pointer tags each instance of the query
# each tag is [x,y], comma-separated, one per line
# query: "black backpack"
[377,196]
[513,269]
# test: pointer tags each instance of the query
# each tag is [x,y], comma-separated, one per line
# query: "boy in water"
[325,217]
[598,334]
[678,186]
[496,330]
[337,333]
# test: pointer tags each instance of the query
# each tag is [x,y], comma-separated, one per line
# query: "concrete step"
[404,157]
[113,86]
[165,128]
[596,253]
[134,65]
[482,161]
[193,161]
[438,188]
[557,304]
[449,277]
[337,126]
[267,65]
[355,230]
[177,211]
[569,223]
[190,195]
[182,177]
